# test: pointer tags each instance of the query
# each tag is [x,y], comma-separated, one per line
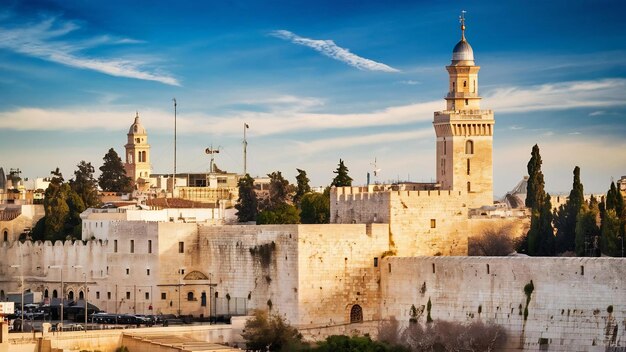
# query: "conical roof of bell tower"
[136,127]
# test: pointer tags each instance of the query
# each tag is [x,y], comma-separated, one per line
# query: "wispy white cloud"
[598,113]
[558,96]
[332,50]
[339,143]
[284,114]
[410,82]
[43,40]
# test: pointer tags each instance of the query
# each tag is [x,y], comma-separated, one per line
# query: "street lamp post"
[86,300]
[22,291]
[60,267]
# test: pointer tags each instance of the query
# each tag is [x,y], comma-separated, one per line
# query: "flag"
[245,124]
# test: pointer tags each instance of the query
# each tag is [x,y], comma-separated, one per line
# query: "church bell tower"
[137,164]
[465,132]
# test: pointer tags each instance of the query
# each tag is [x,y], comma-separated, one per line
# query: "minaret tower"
[464,131]
[137,154]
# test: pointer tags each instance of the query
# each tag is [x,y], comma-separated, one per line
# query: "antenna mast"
[212,152]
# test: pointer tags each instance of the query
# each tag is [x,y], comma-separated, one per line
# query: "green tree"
[535,186]
[609,238]
[113,175]
[280,214]
[55,207]
[587,229]
[85,185]
[566,216]
[247,203]
[343,343]
[541,233]
[342,179]
[265,332]
[302,186]
[315,208]
[540,237]
[279,190]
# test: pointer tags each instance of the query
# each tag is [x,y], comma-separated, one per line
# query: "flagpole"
[245,149]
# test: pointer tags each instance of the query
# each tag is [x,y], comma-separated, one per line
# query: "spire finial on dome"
[462,21]
[136,113]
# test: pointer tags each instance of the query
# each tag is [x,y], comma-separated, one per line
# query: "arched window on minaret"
[469,147]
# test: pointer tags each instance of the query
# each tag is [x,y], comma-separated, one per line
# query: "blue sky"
[315,80]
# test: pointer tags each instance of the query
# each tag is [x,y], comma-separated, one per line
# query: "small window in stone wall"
[127,294]
[147,295]
[190,296]
[149,246]
[181,247]
[114,244]
[375,262]
[163,295]
[356,314]
[127,271]
[433,268]
[109,295]
[132,246]
[97,294]
[389,264]
[148,272]
[433,223]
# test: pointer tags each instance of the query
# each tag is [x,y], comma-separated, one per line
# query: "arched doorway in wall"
[81,296]
[55,294]
[5,235]
[45,293]
[356,314]
[70,296]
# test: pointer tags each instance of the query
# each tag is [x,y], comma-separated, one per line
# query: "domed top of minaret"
[462,54]
[137,127]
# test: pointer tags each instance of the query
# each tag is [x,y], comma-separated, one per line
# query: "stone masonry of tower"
[465,132]
[137,153]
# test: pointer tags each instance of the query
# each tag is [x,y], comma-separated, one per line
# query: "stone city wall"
[575,304]
[338,269]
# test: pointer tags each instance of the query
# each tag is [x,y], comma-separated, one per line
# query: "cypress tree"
[567,215]
[587,229]
[247,203]
[535,186]
[302,186]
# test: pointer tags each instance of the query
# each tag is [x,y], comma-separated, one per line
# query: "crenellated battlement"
[375,192]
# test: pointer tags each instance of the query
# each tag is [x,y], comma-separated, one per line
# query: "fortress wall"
[337,270]
[36,258]
[259,262]
[409,214]
[568,309]
[354,205]
[429,222]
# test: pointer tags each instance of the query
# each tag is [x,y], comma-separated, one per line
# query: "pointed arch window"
[469,147]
